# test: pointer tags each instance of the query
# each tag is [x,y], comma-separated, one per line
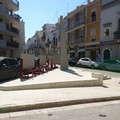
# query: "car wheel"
[79,65]
[92,66]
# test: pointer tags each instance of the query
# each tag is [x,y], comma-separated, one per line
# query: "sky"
[36,13]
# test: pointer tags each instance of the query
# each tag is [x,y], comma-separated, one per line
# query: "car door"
[115,65]
[13,64]
[111,65]
[4,71]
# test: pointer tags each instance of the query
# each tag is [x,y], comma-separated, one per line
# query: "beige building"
[75,31]
[12,34]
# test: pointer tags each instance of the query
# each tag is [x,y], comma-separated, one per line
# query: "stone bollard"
[99,76]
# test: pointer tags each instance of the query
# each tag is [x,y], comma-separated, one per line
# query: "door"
[106,55]
[4,71]
[13,65]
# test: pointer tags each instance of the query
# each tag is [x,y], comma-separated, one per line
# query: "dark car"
[113,65]
[9,68]
[72,62]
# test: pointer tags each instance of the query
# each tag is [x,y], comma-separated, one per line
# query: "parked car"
[9,68]
[72,62]
[18,59]
[87,62]
[111,65]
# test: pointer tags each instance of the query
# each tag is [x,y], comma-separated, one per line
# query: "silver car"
[88,63]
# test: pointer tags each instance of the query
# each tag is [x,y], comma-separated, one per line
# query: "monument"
[63,47]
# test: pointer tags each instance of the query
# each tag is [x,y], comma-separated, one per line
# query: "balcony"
[8,14]
[79,41]
[76,24]
[12,29]
[17,17]
[15,2]
[5,28]
[12,44]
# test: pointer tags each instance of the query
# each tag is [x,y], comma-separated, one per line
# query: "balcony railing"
[75,24]
[13,44]
[77,41]
[15,2]
[12,29]
[5,44]
[16,17]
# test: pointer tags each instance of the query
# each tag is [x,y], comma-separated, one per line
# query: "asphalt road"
[94,111]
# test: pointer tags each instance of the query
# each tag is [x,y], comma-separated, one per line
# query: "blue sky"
[36,13]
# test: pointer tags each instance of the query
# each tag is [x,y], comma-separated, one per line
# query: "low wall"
[28,61]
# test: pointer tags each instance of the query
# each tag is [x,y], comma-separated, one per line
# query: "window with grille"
[93,34]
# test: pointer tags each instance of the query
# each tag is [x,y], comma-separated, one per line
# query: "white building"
[110,29]
[35,45]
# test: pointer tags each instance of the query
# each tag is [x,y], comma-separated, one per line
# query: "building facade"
[35,45]
[110,29]
[93,29]
[12,34]
[75,31]
[47,37]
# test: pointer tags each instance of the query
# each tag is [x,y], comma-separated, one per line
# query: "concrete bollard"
[99,76]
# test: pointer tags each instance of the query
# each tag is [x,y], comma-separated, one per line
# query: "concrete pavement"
[19,100]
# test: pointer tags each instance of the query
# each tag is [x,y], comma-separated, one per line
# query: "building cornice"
[109,5]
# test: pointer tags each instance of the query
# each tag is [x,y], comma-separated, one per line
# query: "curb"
[55,104]
[82,83]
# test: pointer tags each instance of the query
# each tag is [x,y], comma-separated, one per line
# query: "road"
[94,111]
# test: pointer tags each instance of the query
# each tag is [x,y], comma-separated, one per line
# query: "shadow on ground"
[71,71]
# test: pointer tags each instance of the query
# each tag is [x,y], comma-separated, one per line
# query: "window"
[93,14]
[13,62]
[107,31]
[0,3]
[1,36]
[1,20]
[5,61]
[85,59]
[93,34]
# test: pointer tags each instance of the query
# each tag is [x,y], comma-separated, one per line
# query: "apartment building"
[30,45]
[48,37]
[55,39]
[93,29]
[76,22]
[35,44]
[110,29]
[12,38]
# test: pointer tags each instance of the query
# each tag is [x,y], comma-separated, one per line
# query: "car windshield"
[1,58]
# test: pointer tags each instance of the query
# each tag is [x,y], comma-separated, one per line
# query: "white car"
[88,63]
